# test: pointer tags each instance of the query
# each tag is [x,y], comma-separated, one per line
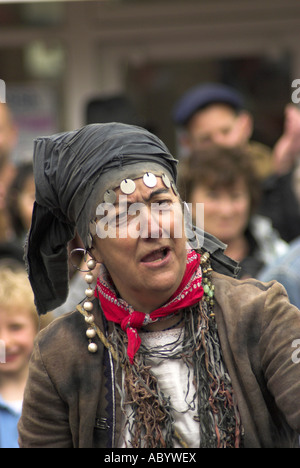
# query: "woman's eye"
[165,204]
[214,195]
[121,218]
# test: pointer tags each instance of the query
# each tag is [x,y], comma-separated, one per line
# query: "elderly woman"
[169,349]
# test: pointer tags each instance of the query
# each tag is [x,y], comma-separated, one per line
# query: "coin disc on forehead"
[166,180]
[174,188]
[127,186]
[110,196]
[149,179]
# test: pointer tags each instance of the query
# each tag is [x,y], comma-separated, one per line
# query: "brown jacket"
[71,399]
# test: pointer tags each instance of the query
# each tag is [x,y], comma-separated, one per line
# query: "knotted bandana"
[117,310]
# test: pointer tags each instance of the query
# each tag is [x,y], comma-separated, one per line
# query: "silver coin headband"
[127,186]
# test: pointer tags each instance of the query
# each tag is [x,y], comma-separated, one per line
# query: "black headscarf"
[72,171]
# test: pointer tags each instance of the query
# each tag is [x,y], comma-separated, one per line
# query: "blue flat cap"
[201,96]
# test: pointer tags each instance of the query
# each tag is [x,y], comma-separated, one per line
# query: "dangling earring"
[88,306]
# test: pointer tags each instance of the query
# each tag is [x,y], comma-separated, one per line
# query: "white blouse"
[175,380]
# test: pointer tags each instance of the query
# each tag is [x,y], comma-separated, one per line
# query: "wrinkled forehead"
[124,180]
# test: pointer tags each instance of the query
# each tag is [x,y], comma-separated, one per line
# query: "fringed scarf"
[151,424]
[117,310]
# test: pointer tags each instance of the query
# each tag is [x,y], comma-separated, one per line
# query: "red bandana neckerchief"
[119,311]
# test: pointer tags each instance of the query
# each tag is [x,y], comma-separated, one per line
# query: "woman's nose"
[225,207]
[151,224]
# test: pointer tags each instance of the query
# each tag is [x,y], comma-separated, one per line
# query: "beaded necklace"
[208,287]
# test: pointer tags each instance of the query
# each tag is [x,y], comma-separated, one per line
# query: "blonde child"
[19,325]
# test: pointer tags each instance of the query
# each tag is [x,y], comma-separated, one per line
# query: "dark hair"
[24,173]
[219,167]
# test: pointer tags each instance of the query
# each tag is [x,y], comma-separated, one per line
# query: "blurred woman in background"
[224,179]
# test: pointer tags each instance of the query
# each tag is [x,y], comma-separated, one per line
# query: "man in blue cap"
[215,114]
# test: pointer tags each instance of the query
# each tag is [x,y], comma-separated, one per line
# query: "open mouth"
[156,255]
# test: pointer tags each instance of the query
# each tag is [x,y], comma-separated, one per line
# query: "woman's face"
[146,258]
[226,209]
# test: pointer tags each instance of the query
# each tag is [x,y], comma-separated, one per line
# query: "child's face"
[17,332]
